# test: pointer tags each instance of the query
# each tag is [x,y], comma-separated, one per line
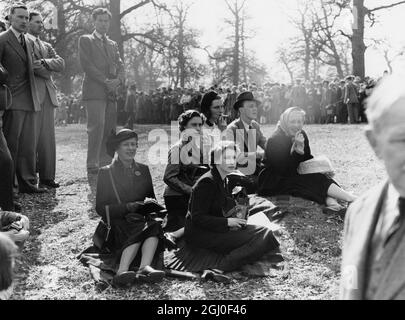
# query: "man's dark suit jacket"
[21,78]
[98,65]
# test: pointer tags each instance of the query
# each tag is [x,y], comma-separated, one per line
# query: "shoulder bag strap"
[114,187]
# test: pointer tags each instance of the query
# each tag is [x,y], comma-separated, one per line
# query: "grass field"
[63,222]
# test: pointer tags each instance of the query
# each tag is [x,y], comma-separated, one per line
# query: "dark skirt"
[312,187]
[132,230]
[233,248]
[176,212]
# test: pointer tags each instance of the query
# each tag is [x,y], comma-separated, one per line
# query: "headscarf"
[114,140]
[285,116]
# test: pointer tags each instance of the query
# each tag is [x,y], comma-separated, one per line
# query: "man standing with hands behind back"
[20,123]
[104,72]
[46,61]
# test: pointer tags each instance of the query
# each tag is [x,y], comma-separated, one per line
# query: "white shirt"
[16,33]
[246,125]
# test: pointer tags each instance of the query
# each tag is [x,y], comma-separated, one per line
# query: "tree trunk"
[358,46]
[307,60]
[182,62]
[115,28]
[236,61]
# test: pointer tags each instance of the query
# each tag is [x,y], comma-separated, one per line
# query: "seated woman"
[182,171]
[285,150]
[207,227]
[122,187]
[8,251]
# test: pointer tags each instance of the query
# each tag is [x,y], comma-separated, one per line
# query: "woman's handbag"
[237,205]
[319,164]
[102,234]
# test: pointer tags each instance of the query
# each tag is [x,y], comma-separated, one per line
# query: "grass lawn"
[63,222]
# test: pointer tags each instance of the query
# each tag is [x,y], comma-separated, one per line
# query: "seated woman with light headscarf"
[286,149]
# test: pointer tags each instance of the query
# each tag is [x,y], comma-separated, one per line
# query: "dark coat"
[206,227]
[21,79]
[208,199]
[98,65]
[133,186]
[280,177]
[279,161]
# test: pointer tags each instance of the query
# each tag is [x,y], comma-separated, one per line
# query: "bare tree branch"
[134,7]
[386,6]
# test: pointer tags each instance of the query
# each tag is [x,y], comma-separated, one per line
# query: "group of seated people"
[198,203]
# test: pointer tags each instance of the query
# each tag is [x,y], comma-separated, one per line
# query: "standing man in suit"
[374,238]
[20,121]
[46,61]
[351,100]
[6,162]
[104,73]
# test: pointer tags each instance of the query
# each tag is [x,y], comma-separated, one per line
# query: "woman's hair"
[185,118]
[218,150]
[207,101]
[8,251]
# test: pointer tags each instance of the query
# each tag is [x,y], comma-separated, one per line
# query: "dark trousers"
[20,130]
[101,120]
[46,149]
[6,174]
[176,211]
[353,112]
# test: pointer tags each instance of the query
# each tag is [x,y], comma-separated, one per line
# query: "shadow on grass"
[316,236]
[40,209]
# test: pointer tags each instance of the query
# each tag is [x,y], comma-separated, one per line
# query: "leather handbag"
[102,234]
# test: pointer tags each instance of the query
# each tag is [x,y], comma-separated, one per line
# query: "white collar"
[246,125]
[34,38]
[98,35]
[16,33]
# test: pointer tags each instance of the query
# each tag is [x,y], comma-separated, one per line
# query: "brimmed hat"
[245,96]
[114,140]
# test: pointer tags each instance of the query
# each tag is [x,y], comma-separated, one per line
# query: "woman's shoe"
[170,241]
[215,275]
[150,275]
[124,279]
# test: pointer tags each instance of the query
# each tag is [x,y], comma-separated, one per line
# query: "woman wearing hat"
[122,188]
[285,150]
[184,168]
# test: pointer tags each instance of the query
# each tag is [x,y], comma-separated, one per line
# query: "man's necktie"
[22,42]
[104,39]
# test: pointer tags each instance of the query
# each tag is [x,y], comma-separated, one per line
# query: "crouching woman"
[122,188]
[206,225]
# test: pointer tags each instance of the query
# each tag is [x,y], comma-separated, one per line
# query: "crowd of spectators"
[328,101]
